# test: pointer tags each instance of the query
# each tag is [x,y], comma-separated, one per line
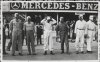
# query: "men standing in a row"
[91,30]
[16,30]
[80,32]
[30,32]
[48,38]
[62,28]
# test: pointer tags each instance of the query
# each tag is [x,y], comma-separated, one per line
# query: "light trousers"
[79,40]
[90,39]
[48,40]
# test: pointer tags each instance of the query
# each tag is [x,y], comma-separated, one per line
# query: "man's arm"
[76,27]
[11,26]
[54,21]
[24,28]
[57,29]
[43,21]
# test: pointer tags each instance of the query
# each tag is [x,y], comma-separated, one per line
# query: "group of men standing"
[83,30]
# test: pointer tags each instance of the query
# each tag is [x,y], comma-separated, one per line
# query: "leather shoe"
[20,54]
[51,53]
[45,53]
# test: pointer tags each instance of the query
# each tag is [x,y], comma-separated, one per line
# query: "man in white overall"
[48,38]
[91,29]
[80,31]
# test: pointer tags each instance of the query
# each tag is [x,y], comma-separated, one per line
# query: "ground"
[57,51]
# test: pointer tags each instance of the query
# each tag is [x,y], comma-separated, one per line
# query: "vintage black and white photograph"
[49,30]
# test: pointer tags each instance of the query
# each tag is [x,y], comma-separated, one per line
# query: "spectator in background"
[39,33]
[4,35]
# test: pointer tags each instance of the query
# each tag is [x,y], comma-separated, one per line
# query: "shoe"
[45,53]
[89,52]
[51,53]
[29,54]
[77,52]
[20,54]
[82,52]
[13,54]
[62,52]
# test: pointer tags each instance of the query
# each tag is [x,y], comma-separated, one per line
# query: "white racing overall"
[91,27]
[48,37]
[80,29]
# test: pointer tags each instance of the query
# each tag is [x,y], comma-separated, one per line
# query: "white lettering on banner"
[95,6]
[30,6]
[43,5]
[67,6]
[37,6]
[49,5]
[84,6]
[61,6]
[78,5]
[90,6]
[56,6]
[24,5]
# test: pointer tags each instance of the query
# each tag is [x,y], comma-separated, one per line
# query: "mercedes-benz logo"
[15,5]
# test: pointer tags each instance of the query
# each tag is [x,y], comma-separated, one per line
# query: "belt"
[80,29]
[91,29]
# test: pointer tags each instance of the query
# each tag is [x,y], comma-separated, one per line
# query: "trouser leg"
[62,43]
[32,43]
[14,41]
[50,42]
[67,43]
[20,43]
[77,43]
[9,44]
[40,40]
[89,41]
[82,43]
[37,40]
[4,42]
[28,45]
[46,41]
[46,44]
[28,42]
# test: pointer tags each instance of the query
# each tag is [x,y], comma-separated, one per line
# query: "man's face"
[61,19]
[29,19]
[16,16]
[80,17]
[48,18]
[91,18]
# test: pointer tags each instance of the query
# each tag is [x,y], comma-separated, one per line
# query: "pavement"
[57,51]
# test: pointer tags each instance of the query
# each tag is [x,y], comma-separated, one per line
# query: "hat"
[28,17]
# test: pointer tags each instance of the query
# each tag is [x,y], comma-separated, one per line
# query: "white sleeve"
[24,26]
[43,21]
[76,27]
[54,21]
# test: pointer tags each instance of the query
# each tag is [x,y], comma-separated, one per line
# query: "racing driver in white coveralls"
[48,23]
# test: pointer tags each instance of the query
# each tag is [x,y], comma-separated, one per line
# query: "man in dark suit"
[62,27]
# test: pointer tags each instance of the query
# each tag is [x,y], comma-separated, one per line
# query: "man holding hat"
[48,38]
